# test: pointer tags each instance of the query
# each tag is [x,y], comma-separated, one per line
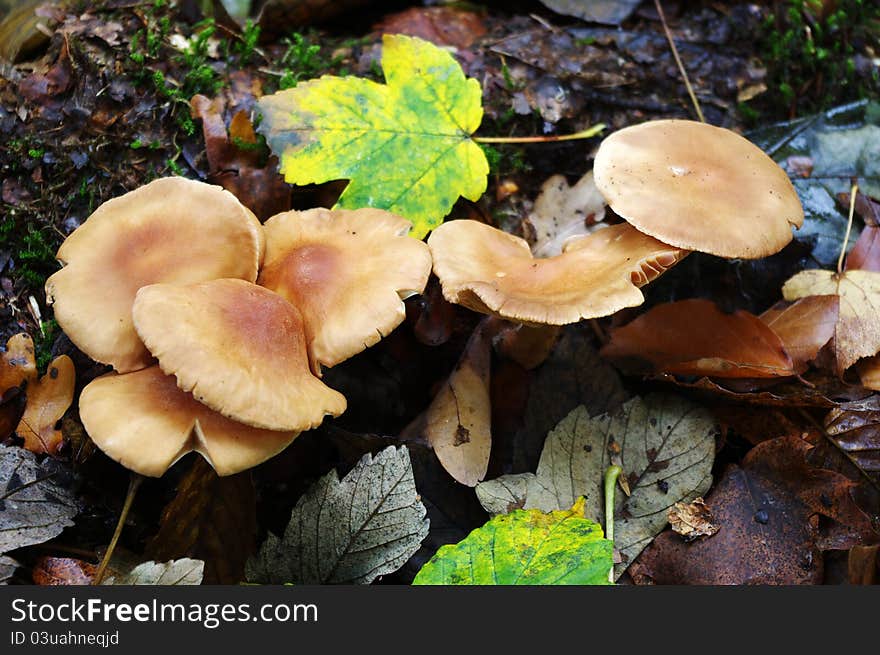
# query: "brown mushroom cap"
[170,230]
[493,272]
[698,187]
[144,422]
[346,271]
[240,350]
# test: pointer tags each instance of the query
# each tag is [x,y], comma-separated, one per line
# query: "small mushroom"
[698,187]
[146,423]
[493,272]
[239,348]
[347,272]
[170,230]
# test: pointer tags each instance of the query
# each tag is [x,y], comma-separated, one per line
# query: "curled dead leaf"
[47,401]
[692,520]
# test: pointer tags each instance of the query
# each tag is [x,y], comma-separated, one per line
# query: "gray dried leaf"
[35,505]
[666,446]
[7,569]
[348,532]
[183,571]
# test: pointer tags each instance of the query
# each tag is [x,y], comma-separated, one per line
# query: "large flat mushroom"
[146,423]
[698,187]
[493,272]
[170,230]
[238,348]
[347,271]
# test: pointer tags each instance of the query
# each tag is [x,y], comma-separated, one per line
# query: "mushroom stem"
[852,206]
[133,483]
[611,475]
[584,134]
[678,61]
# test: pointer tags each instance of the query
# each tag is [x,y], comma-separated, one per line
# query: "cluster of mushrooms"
[218,327]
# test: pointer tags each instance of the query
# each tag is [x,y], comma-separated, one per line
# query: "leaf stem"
[681,68]
[611,475]
[584,134]
[133,483]
[852,207]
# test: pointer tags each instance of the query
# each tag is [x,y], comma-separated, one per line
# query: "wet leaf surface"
[47,401]
[60,571]
[176,572]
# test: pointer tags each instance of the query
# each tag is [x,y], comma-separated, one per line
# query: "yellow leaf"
[857,332]
[405,145]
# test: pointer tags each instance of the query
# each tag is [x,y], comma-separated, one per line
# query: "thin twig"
[852,207]
[584,134]
[678,61]
[133,484]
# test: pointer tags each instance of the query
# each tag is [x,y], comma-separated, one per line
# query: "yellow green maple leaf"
[405,146]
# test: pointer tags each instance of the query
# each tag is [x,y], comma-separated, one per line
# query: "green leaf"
[666,446]
[405,145]
[348,532]
[183,571]
[525,547]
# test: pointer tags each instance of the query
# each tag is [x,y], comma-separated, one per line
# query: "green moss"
[810,52]
[43,343]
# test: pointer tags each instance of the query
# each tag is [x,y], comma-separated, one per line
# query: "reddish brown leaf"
[855,427]
[694,337]
[54,571]
[212,519]
[526,345]
[767,510]
[864,565]
[436,319]
[803,326]
[865,255]
[47,401]
[440,25]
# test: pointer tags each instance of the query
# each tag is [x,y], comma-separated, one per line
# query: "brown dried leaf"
[458,421]
[865,255]
[692,520]
[857,333]
[864,565]
[17,364]
[213,519]
[855,427]
[527,345]
[804,326]
[55,571]
[769,531]
[694,337]
[439,25]
[47,401]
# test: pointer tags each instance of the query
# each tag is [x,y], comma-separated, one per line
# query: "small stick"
[585,134]
[133,484]
[852,207]
[678,61]
[611,475]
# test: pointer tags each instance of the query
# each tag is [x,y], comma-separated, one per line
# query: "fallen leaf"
[416,128]
[7,569]
[666,446]
[864,565]
[34,505]
[573,375]
[17,365]
[47,401]
[348,532]
[610,12]
[857,332]
[525,548]
[458,423]
[176,572]
[855,428]
[865,255]
[212,519]
[57,571]
[563,212]
[868,370]
[694,337]
[505,494]
[767,510]
[439,25]
[692,520]
[804,326]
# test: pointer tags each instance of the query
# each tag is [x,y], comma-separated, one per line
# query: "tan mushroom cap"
[144,422]
[698,187]
[347,272]
[493,272]
[170,230]
[240,350]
